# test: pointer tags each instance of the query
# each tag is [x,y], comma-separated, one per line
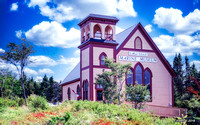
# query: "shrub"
[60,120]
[37,103]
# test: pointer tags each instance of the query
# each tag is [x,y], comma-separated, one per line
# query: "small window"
[138,43]
[87,32]
[130,77]
[69,94]
[108,33]
[97,32]
[138,75]
[85,90]
[101,59]
[99,86]
[78,91]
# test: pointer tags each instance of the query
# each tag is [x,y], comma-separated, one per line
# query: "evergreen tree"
[44,86]
[49,94]
[178,80]
[187,72]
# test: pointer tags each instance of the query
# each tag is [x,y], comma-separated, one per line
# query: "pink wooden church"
[133,45]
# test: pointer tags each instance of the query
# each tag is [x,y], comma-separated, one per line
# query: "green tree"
[49,94]
[138,95]
[178,80]
[18,55]
[44,86]
[106,80]
[113,81]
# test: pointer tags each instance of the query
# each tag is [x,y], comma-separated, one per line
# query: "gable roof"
[73,75]
[151,43]
[120,37]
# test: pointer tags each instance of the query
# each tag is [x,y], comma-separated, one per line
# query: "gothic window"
[129,79]
[69,94]
[138,43]
[101,58]
[138,74]
[85,90]
[78,91]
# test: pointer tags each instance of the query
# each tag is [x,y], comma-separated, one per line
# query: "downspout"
[170,91]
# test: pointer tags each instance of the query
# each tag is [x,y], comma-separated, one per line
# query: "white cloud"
[172,20]
[41,61]
[1,50]
[77,53]
[148,28]
[38,79]
[197,64]
[14,6]
[72,62]
[34,3]
[62,11]
[118,29]
[184,44]
[53,34]
[45,71]
[18,33]
[11,67]
[30,72]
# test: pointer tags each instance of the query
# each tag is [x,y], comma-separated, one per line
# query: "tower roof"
[95,17]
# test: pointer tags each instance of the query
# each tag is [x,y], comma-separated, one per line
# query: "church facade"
[133,45]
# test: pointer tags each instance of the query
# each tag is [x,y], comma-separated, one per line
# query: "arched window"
[97,32]
[138,43]
[78,91]
[69,94]
[129,79]
[148,80]
[83,35]
[108,33]
[87,32]
[138,74]
[101,58]
[85,90]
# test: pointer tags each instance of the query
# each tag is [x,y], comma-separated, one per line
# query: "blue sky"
[51,27]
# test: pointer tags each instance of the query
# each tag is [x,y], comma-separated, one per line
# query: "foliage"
[138,94]
[108,79]
[18,55]
[185,87]
[88,112]
[37,103]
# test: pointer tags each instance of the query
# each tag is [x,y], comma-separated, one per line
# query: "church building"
[133,45]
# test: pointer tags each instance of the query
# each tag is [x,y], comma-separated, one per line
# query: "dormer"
[98,27]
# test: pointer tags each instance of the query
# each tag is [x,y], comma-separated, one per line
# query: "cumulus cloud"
[77,53]
[44,61]
[172,20]
[2,50]
[53,34]
[62,11]
[30,72]
[148,28]
[45,71]
[118,29]
[14,6]
[184,44]
[72,62]
[18,33]
[197,64]
[38,79]
[11,67]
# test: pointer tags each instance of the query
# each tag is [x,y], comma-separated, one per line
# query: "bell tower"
[97,42]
